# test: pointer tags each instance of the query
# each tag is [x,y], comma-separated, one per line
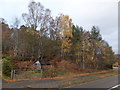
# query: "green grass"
[29,75]
[83,79]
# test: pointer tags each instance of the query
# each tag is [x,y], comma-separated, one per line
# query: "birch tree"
[65,34]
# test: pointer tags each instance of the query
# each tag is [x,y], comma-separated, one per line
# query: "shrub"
[66,65]
[7,66]
[53,72]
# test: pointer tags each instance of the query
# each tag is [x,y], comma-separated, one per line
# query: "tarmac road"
[109,82]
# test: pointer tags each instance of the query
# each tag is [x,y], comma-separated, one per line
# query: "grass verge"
[73,78]
[89,77]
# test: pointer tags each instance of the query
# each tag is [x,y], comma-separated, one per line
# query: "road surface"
[109,82]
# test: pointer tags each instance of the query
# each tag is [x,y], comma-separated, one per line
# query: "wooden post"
[12,74]
[41,72]
[41,69]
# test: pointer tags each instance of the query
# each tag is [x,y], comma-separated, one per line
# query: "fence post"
[41,73]
[12,74]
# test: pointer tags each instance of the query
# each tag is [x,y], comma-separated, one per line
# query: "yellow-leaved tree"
[65,34]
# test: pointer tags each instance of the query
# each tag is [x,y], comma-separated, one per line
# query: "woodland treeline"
[55,38]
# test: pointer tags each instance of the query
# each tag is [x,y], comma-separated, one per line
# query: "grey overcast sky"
[85,13]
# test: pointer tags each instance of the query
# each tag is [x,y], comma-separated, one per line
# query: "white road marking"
[114,87]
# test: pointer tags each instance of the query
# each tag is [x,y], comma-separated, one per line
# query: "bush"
[7,66]
[53,72]
[66,65]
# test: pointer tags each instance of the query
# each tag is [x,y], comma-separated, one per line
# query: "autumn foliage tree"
[65,34]
[55,38]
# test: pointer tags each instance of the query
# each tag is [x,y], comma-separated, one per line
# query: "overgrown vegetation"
[54,39]
[29,75]
[7,66]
